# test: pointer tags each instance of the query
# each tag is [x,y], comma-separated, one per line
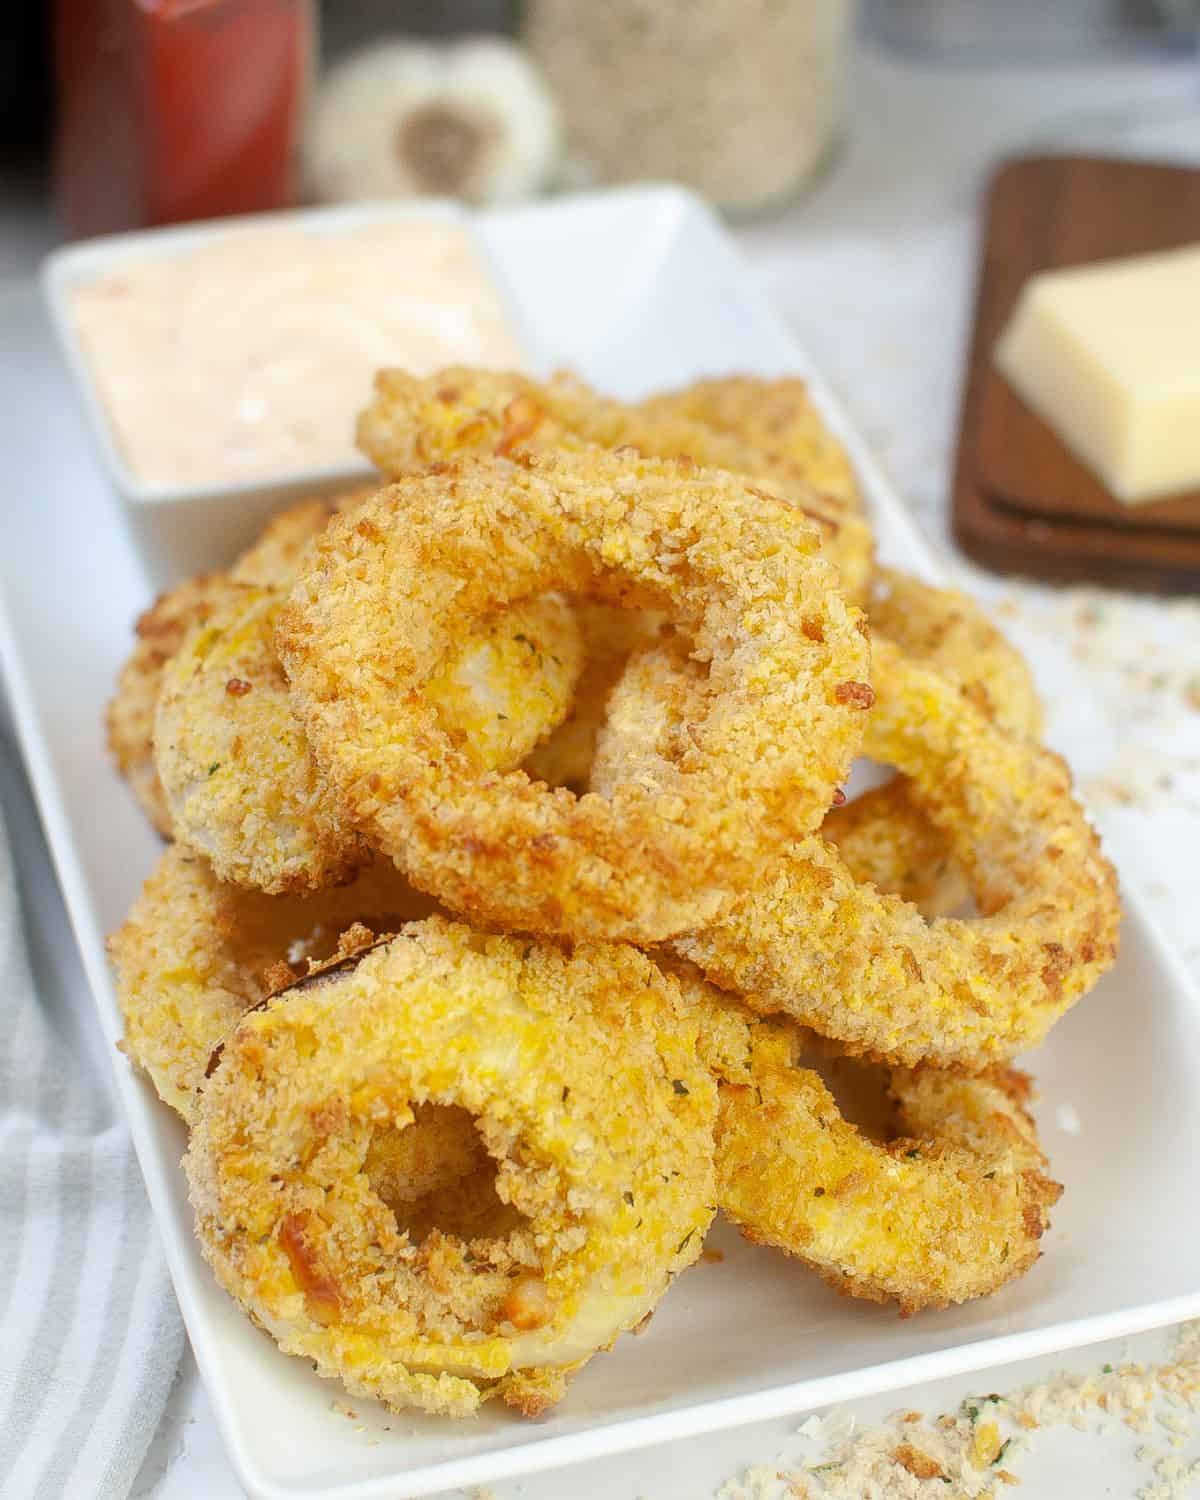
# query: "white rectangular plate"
[637,290]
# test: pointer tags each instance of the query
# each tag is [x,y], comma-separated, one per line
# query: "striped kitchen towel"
[90,1335]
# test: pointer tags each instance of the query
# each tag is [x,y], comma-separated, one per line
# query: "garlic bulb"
[468,119]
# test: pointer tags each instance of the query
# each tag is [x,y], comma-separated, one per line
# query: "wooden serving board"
[1022,501]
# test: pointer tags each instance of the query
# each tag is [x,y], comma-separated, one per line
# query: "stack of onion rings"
[590,671]
[786,660]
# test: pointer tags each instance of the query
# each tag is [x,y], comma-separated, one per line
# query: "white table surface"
[874,270]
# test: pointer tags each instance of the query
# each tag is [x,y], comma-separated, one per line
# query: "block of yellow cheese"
[1109,355]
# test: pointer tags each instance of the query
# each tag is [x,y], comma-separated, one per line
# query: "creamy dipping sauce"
[248,357]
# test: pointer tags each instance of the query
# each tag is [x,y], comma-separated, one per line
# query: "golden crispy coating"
[130,714]
[764,428]
[414,423]
[602,1148]
[950,1207]
[777,423]
[194,954]
[160,632]
[594,670]
[865,968]
[949,631]
[390,587]
[886,838]
[234,762]
[651,711]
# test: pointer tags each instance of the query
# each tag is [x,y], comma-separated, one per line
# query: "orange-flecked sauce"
[248,357]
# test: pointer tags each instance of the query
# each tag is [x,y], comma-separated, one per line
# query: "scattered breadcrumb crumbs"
[969,1453]
[919,1464]
[711,1256]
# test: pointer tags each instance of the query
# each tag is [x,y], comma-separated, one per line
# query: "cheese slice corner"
[1109,356]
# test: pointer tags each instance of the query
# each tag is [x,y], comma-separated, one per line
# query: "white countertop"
[874,270]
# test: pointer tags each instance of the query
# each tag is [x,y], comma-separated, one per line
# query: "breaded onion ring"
[865,968]
[582,1076]
[389,589]
[412,424]
[949,631]
[774,420]
[951,1208]
[193,955]
[160,631]
[885,836]
[234,762]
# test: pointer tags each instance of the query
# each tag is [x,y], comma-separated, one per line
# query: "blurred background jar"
[740,99]
[171,110]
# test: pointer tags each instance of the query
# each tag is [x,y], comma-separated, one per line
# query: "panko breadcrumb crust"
[193,955]
[865,968]
[389,587]
[775,421]
[234,761]
[414,423]
[884,836]
[160,631]
[885,839]
[604,1146]
[951,1208]
[273,559]
[511,682]
[608,636]
[449,1165]
[947,630]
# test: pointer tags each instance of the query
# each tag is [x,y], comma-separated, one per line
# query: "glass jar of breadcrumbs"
[740,99]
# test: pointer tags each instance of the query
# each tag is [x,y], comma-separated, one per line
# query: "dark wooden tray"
[1022,501]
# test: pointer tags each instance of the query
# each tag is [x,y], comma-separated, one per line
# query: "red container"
[172,110]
